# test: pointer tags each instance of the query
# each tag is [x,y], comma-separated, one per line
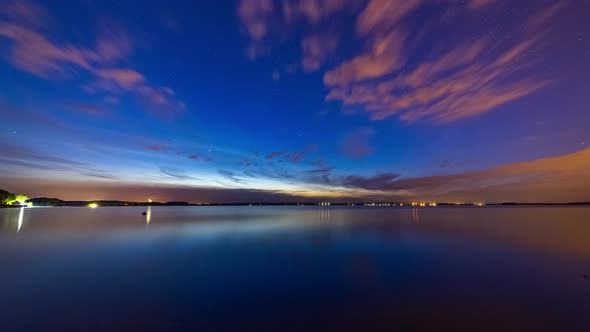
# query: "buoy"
[144,213]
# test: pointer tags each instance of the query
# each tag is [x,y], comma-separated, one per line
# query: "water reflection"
[325,215]
[20,219]
[415,215]
[382,264]
[148,216]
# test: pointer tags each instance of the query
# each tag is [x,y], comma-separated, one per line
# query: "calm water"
[295,269]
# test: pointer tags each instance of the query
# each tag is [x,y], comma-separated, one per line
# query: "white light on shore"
[93,205]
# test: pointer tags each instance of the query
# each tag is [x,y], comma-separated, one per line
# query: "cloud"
[229,175]
[23,157]
[176,173]
[381,15]
[478,4]
[376,182]
[123,78]
[382,58]
[388,77]
[314,11]
[273,154]
[255,16]
[85,108]
[26,26]
[157,148]
[472,78]
[266,21]
[356,144]
[295,157]
[316,49]
[555,179]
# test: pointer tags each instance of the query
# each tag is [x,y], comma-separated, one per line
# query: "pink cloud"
[469,79]
[273,155]
[316,49]
[381,15]
[254,14]
[125,78]
[477,4]
[23,23]
[88,109]
[455,81]
[477,84]
[157,148]
[315,10]
[295,157]
[382,58]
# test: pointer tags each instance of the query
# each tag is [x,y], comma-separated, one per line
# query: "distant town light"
[93,205]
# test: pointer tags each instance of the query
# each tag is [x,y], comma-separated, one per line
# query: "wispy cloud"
[27,26]
[229,175]
[273,154]
[555,179]
[23,158]
[85,108]
[386,78]
[176,173]
[316,49]
[157,148]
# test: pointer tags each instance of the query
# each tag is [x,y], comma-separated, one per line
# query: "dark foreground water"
[295,269]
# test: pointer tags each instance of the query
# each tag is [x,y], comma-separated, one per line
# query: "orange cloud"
[455,81]
[382,58]
[562,178]
[381,15]
[467,80]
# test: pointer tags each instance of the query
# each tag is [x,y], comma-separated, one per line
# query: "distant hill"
[44,201]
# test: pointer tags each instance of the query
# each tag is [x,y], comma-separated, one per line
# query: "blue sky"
[302,100]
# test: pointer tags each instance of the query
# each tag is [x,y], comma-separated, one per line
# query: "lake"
[295,269]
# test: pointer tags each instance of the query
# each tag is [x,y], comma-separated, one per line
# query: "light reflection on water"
[341,268]
[20,219]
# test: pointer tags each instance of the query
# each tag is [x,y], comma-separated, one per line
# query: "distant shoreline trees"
[8,198]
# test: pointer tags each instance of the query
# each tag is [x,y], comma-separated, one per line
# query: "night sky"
[260,100]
